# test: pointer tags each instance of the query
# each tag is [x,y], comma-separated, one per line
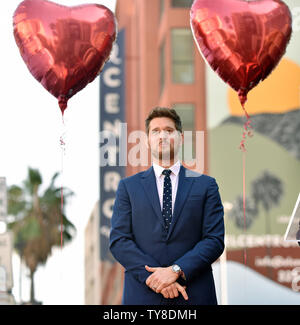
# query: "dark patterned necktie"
[167,199]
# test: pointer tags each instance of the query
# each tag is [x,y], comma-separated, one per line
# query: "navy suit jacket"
[194,241]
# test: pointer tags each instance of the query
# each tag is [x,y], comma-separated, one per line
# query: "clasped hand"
[163,280]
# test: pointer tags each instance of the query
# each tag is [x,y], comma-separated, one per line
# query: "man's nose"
[163,134]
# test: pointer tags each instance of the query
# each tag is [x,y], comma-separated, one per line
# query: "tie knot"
[167,172]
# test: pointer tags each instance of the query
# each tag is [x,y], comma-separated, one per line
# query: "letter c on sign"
[109,81]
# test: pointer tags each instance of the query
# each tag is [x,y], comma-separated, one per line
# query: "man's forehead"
[162,122]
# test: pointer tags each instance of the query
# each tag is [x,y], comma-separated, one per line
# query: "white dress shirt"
[160,181]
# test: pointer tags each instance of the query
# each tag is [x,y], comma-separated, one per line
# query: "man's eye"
[169,131]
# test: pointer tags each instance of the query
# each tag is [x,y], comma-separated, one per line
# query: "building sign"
[3,199]
[112,133]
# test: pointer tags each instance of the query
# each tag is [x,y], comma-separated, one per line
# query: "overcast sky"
[30,129]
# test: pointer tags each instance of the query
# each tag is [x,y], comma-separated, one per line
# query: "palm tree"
[267,190]
[241,219]
[37,221]
[237,212]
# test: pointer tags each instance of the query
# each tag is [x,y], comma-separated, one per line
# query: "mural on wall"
[272,166]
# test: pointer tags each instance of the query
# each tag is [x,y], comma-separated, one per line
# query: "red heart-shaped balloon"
[64,48]
[242,41]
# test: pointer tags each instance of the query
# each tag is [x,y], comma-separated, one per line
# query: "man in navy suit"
[167,224]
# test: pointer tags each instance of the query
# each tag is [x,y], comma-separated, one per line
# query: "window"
[187,116]
[182,55]
[162,67]
[182,3]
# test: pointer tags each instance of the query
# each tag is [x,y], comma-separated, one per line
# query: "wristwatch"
[176,268]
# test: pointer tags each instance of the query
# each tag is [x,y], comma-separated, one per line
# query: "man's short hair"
[164,112]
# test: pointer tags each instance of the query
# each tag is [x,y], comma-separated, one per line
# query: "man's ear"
[181,138]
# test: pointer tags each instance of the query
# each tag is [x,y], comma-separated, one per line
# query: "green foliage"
[37,219]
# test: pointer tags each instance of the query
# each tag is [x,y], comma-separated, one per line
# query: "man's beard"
[166,154]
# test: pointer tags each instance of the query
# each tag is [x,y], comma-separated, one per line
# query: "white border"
[291,220]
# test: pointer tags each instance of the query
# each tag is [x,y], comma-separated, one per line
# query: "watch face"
[176,268]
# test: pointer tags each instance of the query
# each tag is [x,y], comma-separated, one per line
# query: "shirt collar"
[159,169]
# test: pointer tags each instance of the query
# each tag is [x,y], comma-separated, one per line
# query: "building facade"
[163,68]
[91,259]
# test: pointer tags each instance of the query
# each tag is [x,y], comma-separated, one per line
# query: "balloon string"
[61,221]
[247,132]
[244,203]
[62,145]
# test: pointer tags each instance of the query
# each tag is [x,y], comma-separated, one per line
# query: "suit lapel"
[184,186]
[149,183]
